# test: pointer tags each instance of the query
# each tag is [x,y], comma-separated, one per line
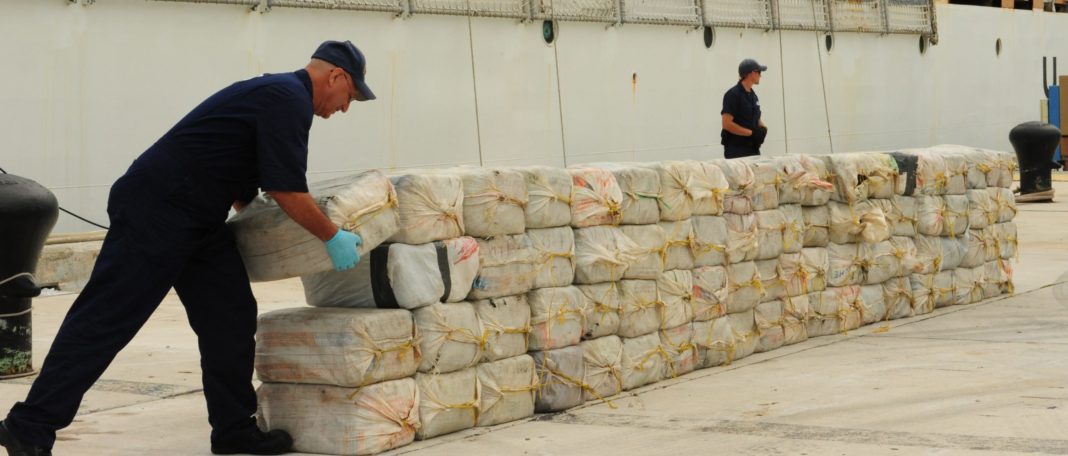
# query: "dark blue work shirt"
[745,107]
[252,134]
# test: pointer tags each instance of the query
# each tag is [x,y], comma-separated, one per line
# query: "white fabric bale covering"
[495,201]
[640,186]
[903,214]
[793,231]
[897,295]
[904,251]
[714,341]
[1006,166]
[742,235]
[770,226]
[770,320]
[407,276]
[862,221]
[506,267]
[998,278]
[595,198]
[650,240]
[603,254]
[956,215]
[814,265]
[956,171]
[709,292]
[932,176]
[275,247]
[977,247]
[845,265]
[640,309]
[680,352]
[344,347]
[942,215]
[741,180]
[430,205]
[508,389]
[505,324]
[952,252]
[556,317]
[644,361]
[942,288]
[796,312]
[793,276]
[447,402]
[343,421]
[803,180]
[982,212]
[817,224]
[709,240]
[548,196]
[676,195]
[744,287]
[859,176]
[833,311]
[604,303]
[604,367]
[967,285]
[928,254]
[1005,202]
[555,247]
[872,304]
[677,253]
[560,374]
[766,178]
[1006,240]
[772,279]
[450,337]
[923,293]
[980,165]
[879,262]
[675,293]
[709,188]
[991,251]
[744,330]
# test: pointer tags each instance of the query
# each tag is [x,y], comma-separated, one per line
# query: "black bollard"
[28,211]
[1035,143]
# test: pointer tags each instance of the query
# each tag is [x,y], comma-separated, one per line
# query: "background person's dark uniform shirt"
[252,134]
[745,107]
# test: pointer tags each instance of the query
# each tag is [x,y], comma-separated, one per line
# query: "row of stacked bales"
[501,293]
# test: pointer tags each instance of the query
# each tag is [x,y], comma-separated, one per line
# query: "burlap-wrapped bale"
[676,197]
[941,215]
[976,247]
[604,302]
[275,247]
[770,321]
[872,304]
[833,311]
[548,196]
[595,198]
[804,272]
[997,278]
[430,205]
[556,317]
[505,324]
[344,347]
[982,211]
[928,254]
[555,264]
[604,367]
[675,293]
[942,288]
[640,186]
[714,341]
[879,262]
[956,170]
[980,164]
[640,309]
[770,226]
[742,235]
[709,240]
[932,176]
[903,215]
[904,251]
[1005,202]
[845,265]
[680,352]
[897,294]
[967,285]
[923,293]
[651,241]
[1006,240]
[739,197]
[793,229]
[796,312]
[746,337]
[495,201]
[506,267]
[772,279]
[817,225]
[709,188]
[678,251]
[953,250]
[560,373]
[508,388]
[803,180]
[766,178]
[447,402]
[450,337]
[644,361]
[709,292]
[862,221]
[339,420]
[860,176]
[744,287]
[603,254]
[400,276]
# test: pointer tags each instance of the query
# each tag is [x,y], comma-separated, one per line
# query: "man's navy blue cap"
[748,66]
[346,56]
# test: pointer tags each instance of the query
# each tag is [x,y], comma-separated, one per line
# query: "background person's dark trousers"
[152,245]
[737,151]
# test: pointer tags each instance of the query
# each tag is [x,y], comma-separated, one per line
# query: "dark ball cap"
[748,66]
[346,56]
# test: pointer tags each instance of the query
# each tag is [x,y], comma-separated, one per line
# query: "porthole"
[997,47]
[828,41]
[923,45]
[548,31]
[710,36]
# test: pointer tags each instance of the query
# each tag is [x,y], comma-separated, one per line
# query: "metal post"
[884,5]
[934,23]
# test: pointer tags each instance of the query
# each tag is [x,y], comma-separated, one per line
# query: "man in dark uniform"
[743,130]
[168,229]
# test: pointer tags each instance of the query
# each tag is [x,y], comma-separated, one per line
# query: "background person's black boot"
[251,440]
[16,447]
[1035,143]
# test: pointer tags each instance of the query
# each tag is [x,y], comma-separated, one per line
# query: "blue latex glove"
[342,249]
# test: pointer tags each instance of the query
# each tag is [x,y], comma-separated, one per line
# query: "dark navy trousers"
[739,151]
[159,239]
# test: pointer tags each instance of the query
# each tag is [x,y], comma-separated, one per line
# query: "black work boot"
[16,447]
[251,440]
[1035,143]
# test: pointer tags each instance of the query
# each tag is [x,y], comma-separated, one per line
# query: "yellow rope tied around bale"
[355,220]
[567,379]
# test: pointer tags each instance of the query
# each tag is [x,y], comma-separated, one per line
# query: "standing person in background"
[743,130]
[168,229]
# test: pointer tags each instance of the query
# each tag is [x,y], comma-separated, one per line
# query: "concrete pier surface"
[983,379]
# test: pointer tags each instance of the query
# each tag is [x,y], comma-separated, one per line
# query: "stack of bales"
[505,292]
